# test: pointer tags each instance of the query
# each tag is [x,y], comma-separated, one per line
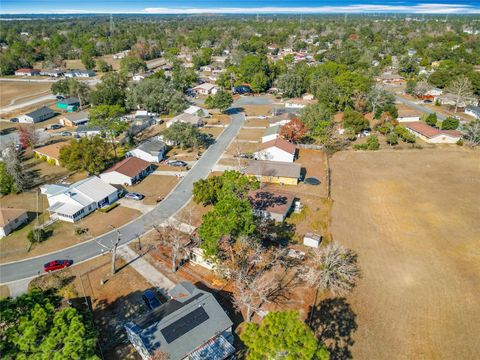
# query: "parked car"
[134,196]
[14,120]
[57,265]
[151,299]
[60,97]
[178,163]
[427,101]
[66,133]
[55,126]
[244,156]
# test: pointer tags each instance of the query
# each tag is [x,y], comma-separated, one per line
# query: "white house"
[152,150]
[276,150]
[10,219]
[206,89]
[80,73]
[121,54]
[406,114]
[198,111]
[127,172]
[271,133]
[72,202]
[88,130]
[297,103]
[473,111]
[433,135]
[185,118]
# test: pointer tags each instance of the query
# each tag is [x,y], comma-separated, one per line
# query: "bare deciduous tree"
[421,88]
[335,269]
[13,165]
[173,239]
[462,91]
[471,133]
[160,355]
[251,267]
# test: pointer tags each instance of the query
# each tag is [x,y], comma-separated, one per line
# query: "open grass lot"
[154,187]
[250,134]
[12,92]
[214,131]
[413,218]
[257,110]
[257,122]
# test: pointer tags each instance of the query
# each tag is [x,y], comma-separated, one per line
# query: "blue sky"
[235,6]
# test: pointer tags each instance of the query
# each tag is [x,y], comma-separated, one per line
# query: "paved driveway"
[168,207]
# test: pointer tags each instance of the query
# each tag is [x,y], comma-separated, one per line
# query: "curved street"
[169,206]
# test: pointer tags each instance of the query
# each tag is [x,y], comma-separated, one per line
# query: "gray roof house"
[186,118]
[271,133]
[473,111]
[151,150]
[88,130]
[191,325]
[74,119]
[38,115]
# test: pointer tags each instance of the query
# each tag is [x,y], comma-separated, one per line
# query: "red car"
[57,265]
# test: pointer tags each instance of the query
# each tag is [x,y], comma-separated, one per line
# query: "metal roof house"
[41,114]
[73,202]
[191,325]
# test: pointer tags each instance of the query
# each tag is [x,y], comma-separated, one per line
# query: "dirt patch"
[257,110]
[4,291]
[14,92]
[412,217]
[154,187]
[192,213]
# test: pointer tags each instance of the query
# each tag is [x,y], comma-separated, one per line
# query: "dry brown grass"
[12,92]
[257,110]
[214,131]
[412,217]
[250,134]
[154,187]
[257,122]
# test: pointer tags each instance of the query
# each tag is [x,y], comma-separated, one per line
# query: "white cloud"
[417,9]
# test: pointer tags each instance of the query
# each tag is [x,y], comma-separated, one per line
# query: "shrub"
[431,119]
[372,143]
[108,208]
[44,158]
[51,162]
[450,124]
[37,235]
[392,139]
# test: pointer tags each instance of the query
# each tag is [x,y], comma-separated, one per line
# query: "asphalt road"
[169,206]
[418,107]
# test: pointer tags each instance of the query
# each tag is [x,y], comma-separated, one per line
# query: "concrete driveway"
[136,205]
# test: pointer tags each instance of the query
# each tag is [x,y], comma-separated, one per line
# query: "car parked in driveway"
[57,265]
[177,163]
[55,126]
[151,299]
[66,133]
[134,196]
[15,120]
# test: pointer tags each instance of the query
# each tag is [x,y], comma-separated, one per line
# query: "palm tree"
[335,269]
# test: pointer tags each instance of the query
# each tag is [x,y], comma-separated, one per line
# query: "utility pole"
[114,248]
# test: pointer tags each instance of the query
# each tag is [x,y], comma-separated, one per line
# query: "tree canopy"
[186,136]
[222,100]
[90,154]
[35,327]
[282,335]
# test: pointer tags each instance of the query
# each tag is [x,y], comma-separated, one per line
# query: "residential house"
[406,114]
[473,111]
[197,257]
[297,103]
[453,101]
[281,119]
[51,73]
[271,133]
[74,119]
[206,89]
[127,172]
[143,76]
[276,150]
[72,202]
[70,104]
[151,150]
[27,72]
[274,172]
[51,152]
[120,55]
[80,73]
[11,219]
[185,118]
[432,94]
[433,135]
[391,78]
[88,130]
[271,204]
[198,111]
[41,114]
[191,325]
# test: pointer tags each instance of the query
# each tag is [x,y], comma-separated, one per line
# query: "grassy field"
[12,92]
[154,187]
[413,218]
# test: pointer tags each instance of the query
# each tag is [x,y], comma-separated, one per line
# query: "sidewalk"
[150,273]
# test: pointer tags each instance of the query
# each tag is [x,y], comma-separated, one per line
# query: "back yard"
[412,217]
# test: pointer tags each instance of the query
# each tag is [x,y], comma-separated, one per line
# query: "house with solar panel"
[191,325]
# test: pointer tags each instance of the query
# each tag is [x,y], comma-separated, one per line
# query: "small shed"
[70,104]
[312,240]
